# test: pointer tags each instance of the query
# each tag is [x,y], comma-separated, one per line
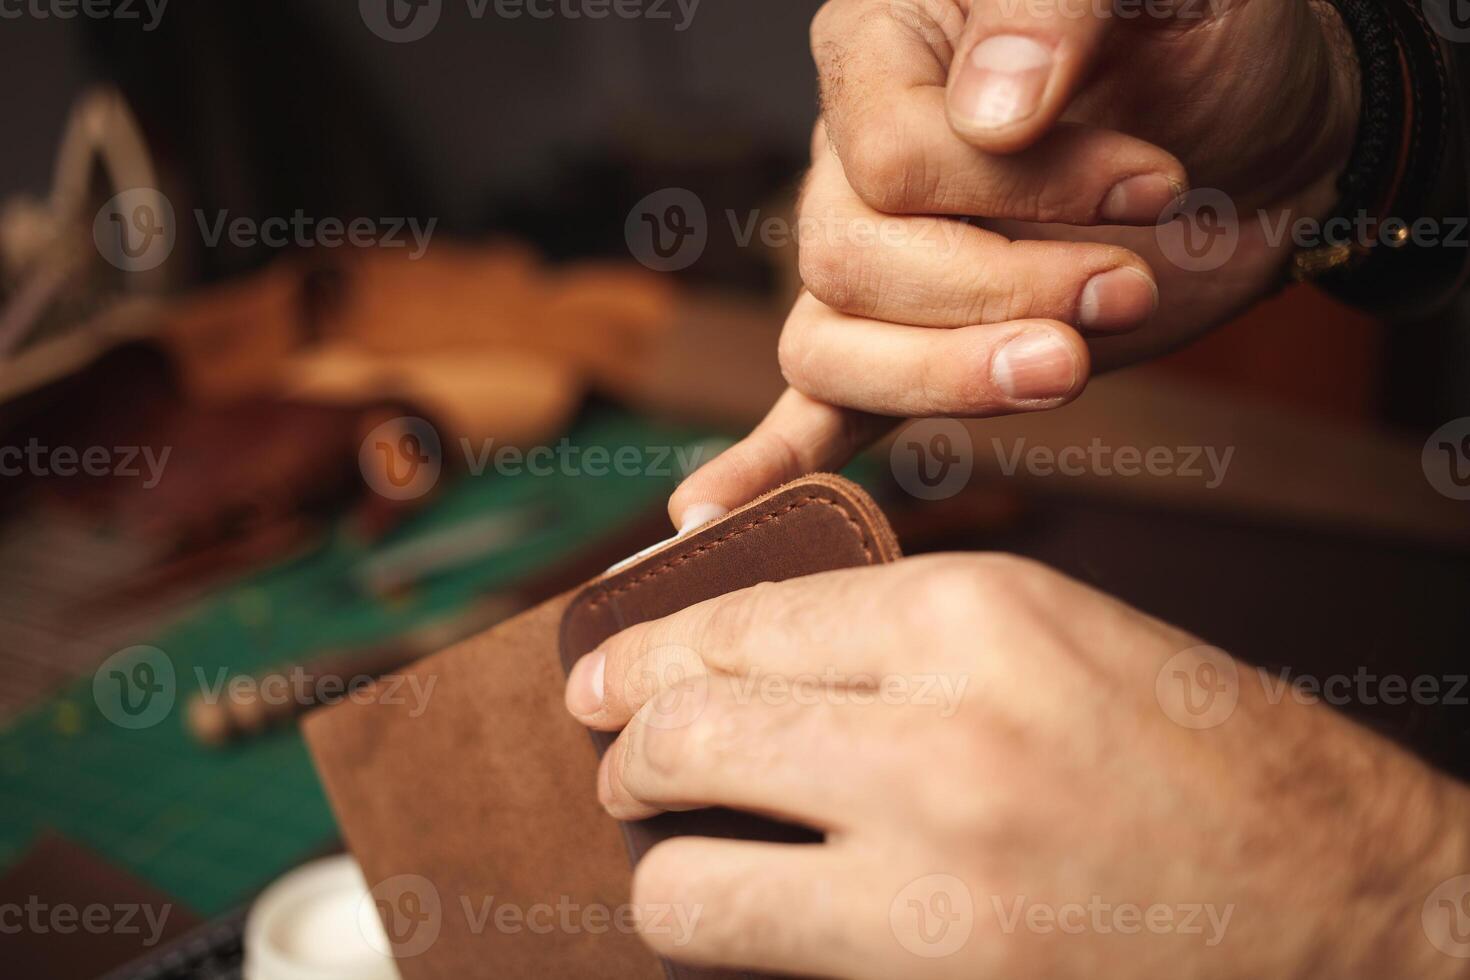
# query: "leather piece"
[491,789]
[488,792]
[815,525]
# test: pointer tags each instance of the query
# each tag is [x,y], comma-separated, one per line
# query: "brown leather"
[490,790]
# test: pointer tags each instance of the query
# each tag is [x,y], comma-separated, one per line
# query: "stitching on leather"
[673,563]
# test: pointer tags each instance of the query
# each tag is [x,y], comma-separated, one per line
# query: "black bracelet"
[1374,160]
[1380,119]
[1407,175]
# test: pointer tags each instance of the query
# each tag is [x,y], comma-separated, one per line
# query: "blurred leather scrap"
[486,338]
[485,800]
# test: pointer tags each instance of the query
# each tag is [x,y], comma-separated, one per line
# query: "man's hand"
[1050,127]
[1008,792]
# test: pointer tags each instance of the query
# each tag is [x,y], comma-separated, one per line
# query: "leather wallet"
[482,798]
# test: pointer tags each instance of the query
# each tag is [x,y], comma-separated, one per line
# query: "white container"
[317,923]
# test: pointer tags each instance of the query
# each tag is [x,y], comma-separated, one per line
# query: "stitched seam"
[673,563]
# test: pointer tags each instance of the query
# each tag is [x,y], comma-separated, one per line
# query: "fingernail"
[1146,199]
[1034,366]
[1116,300]
[585,685]
[1003,81]
[698,515]
[604,779]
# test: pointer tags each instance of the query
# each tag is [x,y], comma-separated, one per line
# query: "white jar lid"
[317,923]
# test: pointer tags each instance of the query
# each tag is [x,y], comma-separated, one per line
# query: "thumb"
[1018,65]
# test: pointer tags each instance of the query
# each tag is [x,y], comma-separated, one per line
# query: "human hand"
[1008,792]
[1061,131]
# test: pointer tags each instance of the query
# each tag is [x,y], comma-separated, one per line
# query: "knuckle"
[736,616]
[632,676]
[683,732]
[949,591]
[948,386]
[1009,196]
[661,751]
[1007,575]
[833,273]
[882,169]
[792,354]
[1010,298]
[946,592]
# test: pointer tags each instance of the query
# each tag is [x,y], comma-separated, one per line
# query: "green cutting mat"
[210,826]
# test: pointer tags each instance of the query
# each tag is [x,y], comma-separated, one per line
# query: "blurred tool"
[400,566]
[248,706]
[46,247]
